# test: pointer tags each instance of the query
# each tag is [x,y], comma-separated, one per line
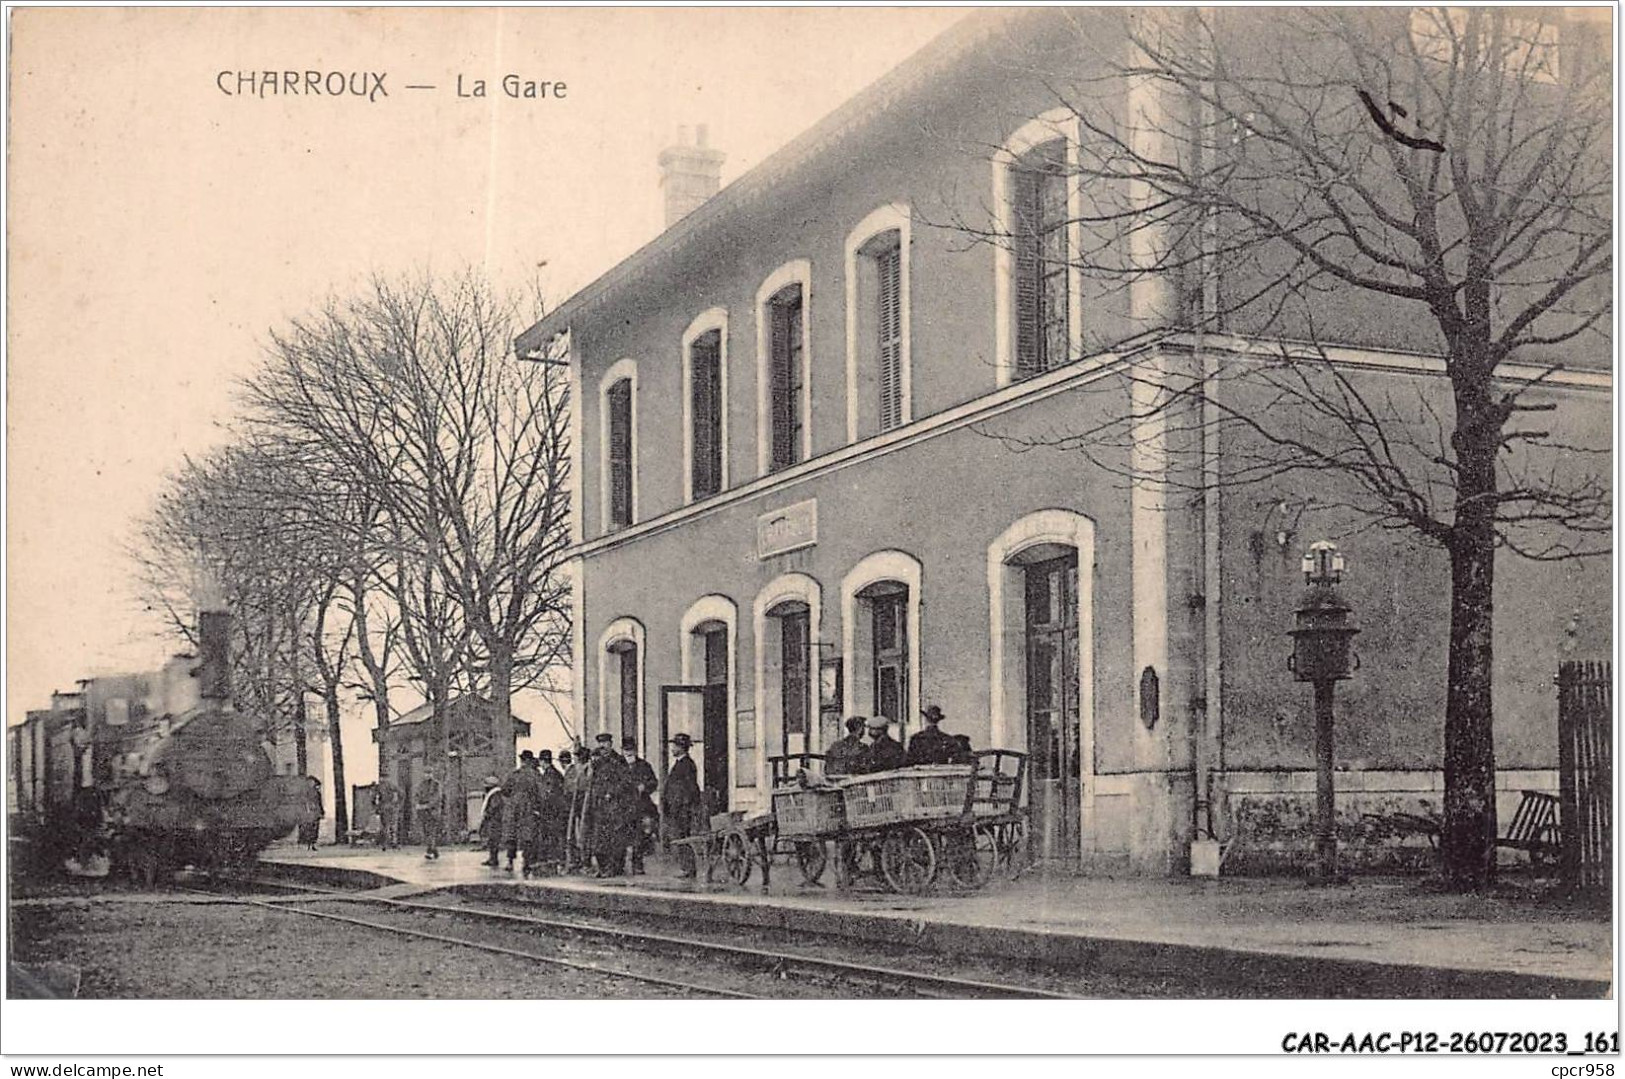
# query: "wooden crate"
[809,811]
[924,792]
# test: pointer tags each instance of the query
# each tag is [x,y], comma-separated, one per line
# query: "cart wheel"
[811,859]
[736,858]
[972,855]
[1010,846]
[908,860]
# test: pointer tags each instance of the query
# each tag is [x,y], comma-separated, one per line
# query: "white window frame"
[795,272]
[714,319]
[624,629]
[628,369]
[888,565]
[1059,123]
[892,217]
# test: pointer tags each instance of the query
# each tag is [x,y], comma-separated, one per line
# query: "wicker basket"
[809,811]
[924,792]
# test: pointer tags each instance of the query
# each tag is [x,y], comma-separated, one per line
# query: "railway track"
[778,962]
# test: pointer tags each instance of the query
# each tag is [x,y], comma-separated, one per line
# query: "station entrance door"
[702,713]
[1053,736]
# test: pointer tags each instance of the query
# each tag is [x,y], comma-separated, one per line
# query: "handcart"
[911,826]
[736,842]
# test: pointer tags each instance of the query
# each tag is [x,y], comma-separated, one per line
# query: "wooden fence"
[1585,763]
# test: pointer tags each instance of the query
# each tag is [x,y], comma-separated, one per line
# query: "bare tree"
[410,388]
[1449,168]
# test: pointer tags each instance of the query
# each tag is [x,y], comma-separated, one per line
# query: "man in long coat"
[491,820]
[645,815]
[885,752]
[680,802]
[611,808]
[555,811]
[522,811]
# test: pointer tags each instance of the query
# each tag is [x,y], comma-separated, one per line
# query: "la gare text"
[373,85]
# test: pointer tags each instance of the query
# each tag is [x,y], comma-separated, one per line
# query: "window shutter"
[705,375]
[620,454]
[1027,241]
[888,265]
[785,372]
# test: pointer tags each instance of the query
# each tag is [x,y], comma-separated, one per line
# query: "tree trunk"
[335,739]
[1467,845]
[301,756]
[502,737]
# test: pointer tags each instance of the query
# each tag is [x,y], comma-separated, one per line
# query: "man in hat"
[610,808]
[849,756]
[578,809]
[429,801]
[555,807]
[885,752]
[491,820]
[522,810]
[680,801]
[571,772]
[645,816]
[932,745]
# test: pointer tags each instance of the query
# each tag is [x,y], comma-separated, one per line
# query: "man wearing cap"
[645,816]
[932,745]
[849,756]
[491,815]
[522,798]
[680,801]
[885,752]
[571,772]
[555,806]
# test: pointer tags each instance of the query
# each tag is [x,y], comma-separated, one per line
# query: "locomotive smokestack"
[214,651]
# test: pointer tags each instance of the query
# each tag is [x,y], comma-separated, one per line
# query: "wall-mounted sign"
[789,529]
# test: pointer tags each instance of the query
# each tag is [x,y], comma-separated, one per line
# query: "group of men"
[597,815]
[869,747]
[595,812]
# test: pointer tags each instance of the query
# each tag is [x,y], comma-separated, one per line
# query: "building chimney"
[214,652]
[690,173]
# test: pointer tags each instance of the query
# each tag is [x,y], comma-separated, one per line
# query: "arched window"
[880,638]
[784,368]
[620,680]
[786,614]
[705,405]
[1037,280]
[617,424]
[878,379]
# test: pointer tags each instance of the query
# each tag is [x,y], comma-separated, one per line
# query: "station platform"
[1372,937]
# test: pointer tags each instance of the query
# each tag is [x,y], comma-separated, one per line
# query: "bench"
[1534,828]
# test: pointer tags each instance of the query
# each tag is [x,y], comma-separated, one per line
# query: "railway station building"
[822,470]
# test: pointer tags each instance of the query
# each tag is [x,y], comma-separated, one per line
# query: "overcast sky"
[158,227]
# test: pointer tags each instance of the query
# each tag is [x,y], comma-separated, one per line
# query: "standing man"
[609,808]
[848,757]
[430,805]
[578,809]
[644,815]
[555,808]
[572,780]
[932,745]
[680,802]
[522,809]
[491,820]
[885,752]
[388,798]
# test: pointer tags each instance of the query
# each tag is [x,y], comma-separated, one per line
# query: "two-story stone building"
[800,497]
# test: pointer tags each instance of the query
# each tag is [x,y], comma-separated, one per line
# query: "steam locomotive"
[152,771]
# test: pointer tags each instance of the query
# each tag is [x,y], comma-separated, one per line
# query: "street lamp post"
[1323,653]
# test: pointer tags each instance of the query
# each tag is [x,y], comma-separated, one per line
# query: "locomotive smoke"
[214,651]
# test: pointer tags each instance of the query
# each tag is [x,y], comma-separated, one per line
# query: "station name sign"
[788,529]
